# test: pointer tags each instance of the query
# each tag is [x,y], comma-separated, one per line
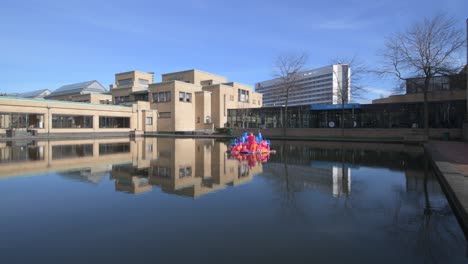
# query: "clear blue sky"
[47,44]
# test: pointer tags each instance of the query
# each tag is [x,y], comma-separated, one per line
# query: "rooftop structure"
[77,88]
[38,94]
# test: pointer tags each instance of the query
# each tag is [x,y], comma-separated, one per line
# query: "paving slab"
[450,162]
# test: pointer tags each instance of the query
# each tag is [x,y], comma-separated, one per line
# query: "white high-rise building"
[318,86]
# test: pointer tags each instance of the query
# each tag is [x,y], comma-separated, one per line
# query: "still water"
[161,200]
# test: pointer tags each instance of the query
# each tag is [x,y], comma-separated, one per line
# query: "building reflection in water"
[193,168]
[185,167]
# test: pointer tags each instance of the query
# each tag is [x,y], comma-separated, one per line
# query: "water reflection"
[310,200]
[185,167]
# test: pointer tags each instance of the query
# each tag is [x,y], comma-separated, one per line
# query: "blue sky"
[47,44]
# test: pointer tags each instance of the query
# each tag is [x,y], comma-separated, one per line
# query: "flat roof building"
[316,86]
[196,100]
[131,86]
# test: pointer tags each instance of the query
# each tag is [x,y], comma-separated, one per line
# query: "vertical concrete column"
[95,123]
[48,120]
[95,149]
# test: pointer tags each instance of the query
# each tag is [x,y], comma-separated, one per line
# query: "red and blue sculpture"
[250,144]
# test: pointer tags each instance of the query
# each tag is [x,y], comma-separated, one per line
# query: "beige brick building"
[190,100]
[196,100]
[131,86]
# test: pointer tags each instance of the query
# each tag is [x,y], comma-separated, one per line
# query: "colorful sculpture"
[248,144]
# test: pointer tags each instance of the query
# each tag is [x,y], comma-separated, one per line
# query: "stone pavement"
[450,160]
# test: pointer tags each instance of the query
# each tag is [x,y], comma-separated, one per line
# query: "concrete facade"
[176,113]
[194,76]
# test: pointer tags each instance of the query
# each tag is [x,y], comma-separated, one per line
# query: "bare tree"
[287,68]
[349,82]
[425,50]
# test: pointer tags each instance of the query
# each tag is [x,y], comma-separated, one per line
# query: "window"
[122,99]
[114,122]
[165,115]
[198,119]
[113,148]
[243,95]
[208,119]
[161,97]
[72,121]
[125,81]
[188,97]
[185,172]
[72,151]
[149,120]
[143,81]
[181,96]
[162,172]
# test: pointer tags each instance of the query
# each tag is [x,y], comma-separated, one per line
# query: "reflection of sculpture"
[251,159]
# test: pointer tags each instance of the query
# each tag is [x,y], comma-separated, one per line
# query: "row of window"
[164,97]
[122,99]
[306,86]
[78,121]
[130,81]
[304,80]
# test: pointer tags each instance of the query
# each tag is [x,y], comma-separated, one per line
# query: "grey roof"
[79,88]
[34,94]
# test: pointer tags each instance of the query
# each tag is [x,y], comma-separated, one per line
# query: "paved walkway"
[450,160]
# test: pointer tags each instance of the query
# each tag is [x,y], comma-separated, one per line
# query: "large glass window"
[72,121]
[114,122]
[122,99]
[72,151]
[21,120]
[114,148]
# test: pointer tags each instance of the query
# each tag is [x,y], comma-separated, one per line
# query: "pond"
[165,200]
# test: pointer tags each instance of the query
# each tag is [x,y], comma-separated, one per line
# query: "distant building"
[38,94]
[316,86]
[86,92]
[441,88]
